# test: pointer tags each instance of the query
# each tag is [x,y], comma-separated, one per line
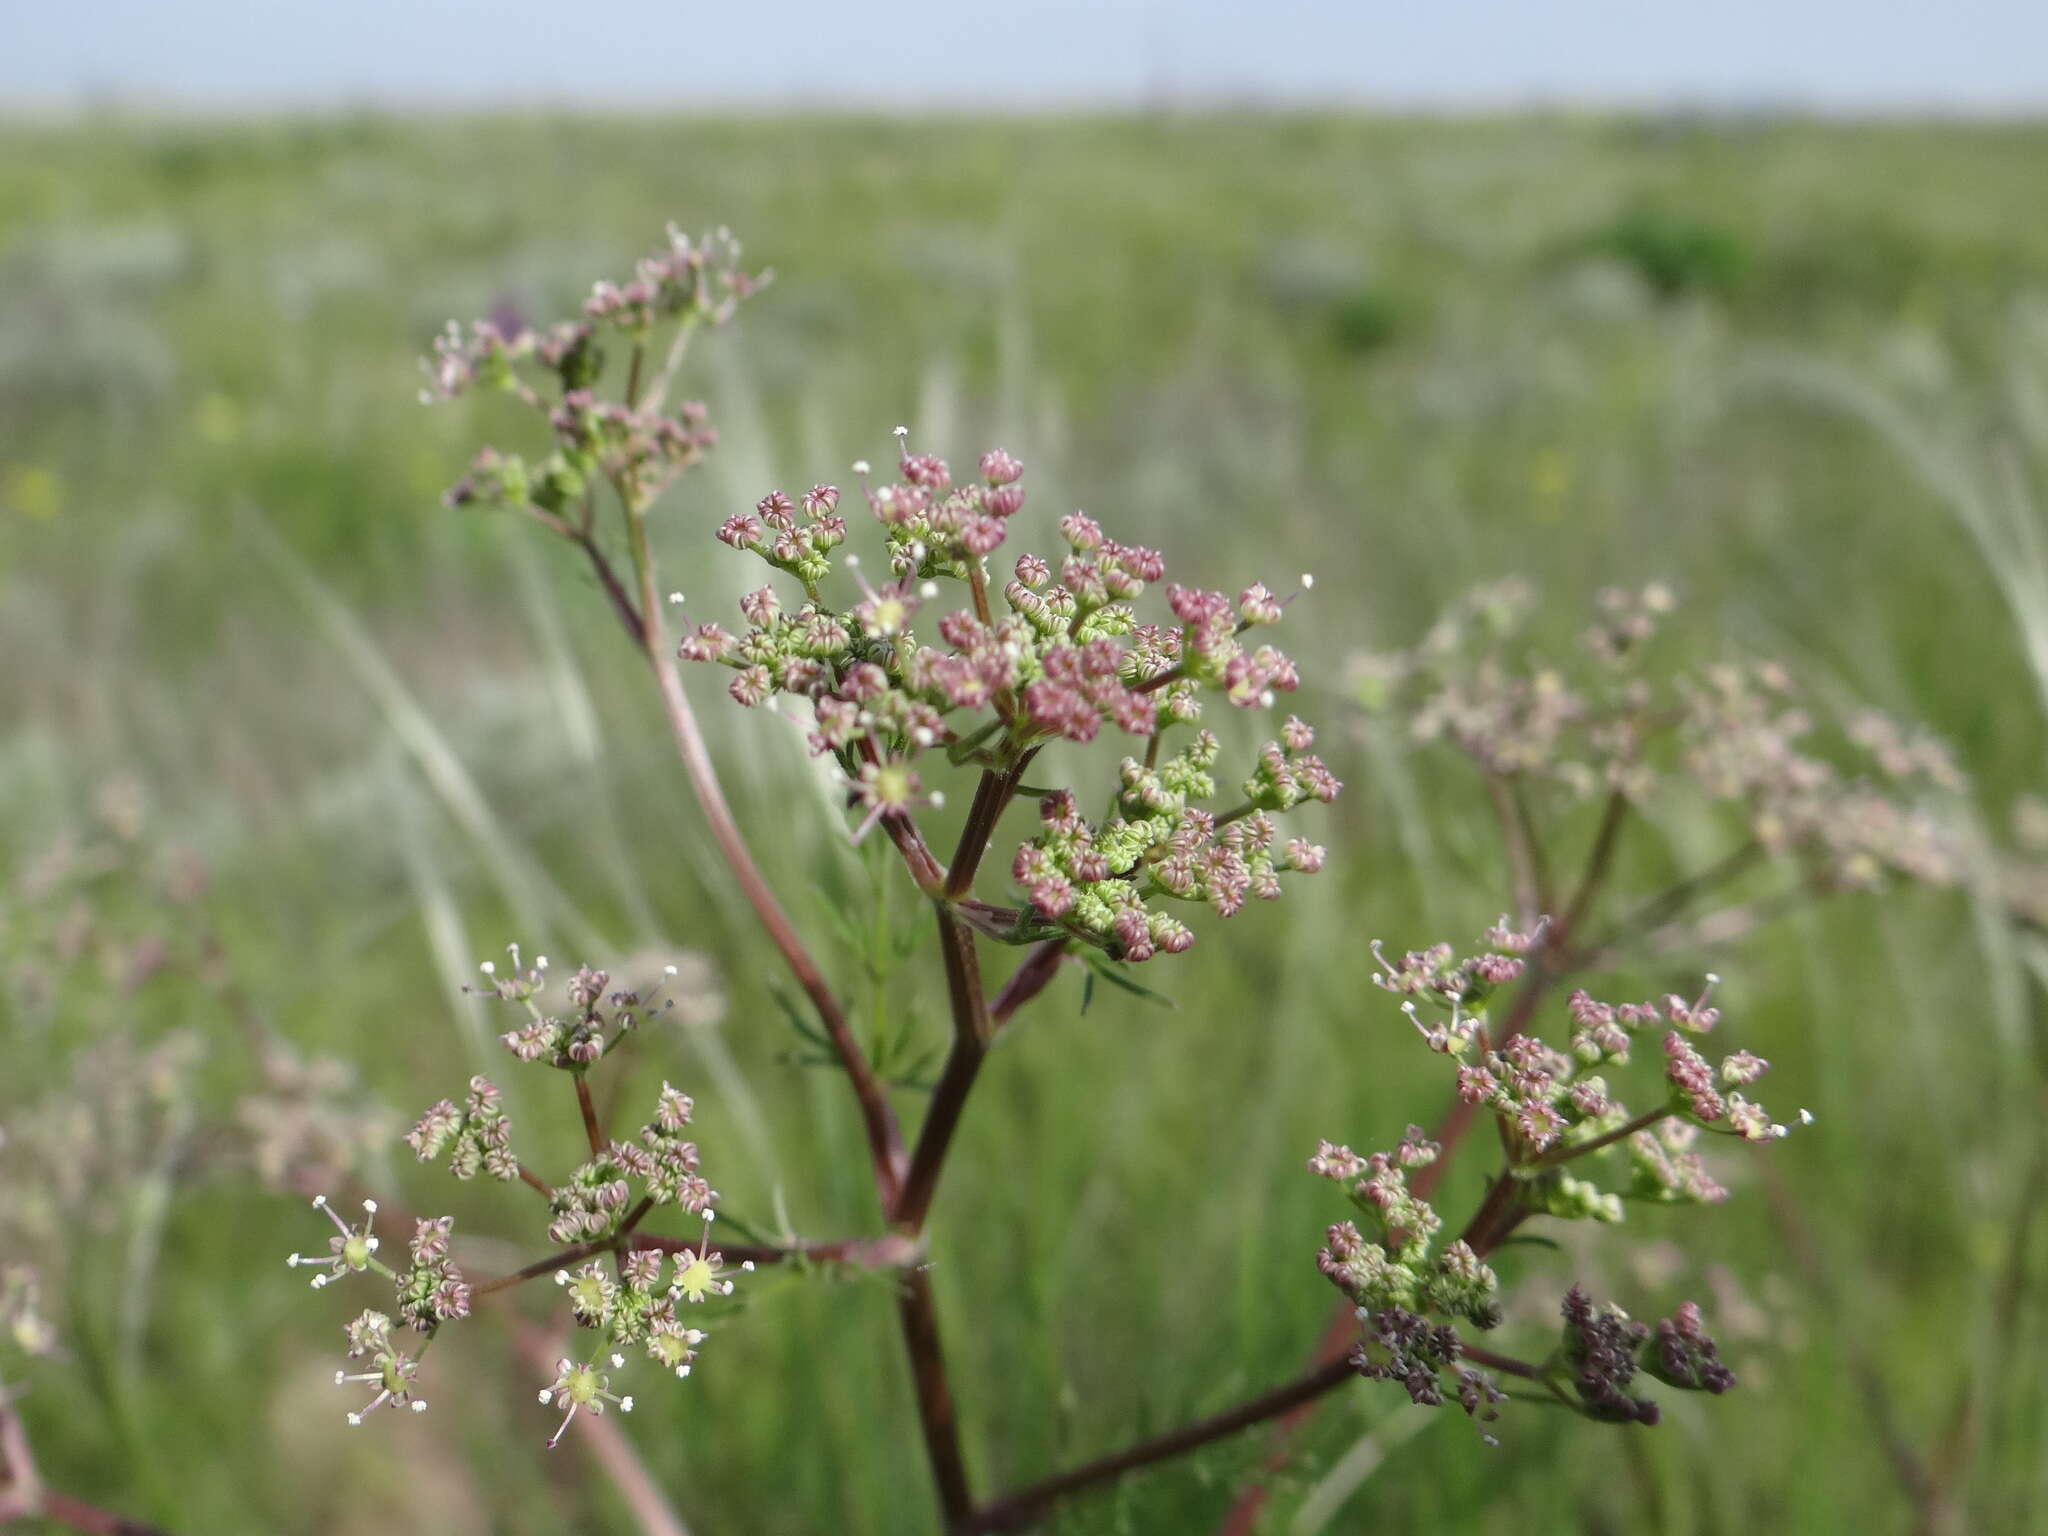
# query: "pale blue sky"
[1857,55]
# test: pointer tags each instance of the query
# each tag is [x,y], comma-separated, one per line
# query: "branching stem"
[1560,1155]
[533,1180]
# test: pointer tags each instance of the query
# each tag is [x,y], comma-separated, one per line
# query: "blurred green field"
[1787,367]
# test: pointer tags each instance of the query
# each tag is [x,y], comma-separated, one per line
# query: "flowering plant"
[947,680]
[940,667]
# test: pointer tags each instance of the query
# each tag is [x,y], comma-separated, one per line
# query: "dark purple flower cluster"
[1679,1353]
[1599,1350]
[1398,1345]
[1603,1349]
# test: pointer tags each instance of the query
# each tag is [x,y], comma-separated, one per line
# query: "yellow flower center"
[695,1281]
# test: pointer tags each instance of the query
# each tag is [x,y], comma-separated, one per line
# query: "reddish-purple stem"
[592,1131]
[90,1518]
[1037,972]
[1028,1504]
[935,1412]
[885,1142]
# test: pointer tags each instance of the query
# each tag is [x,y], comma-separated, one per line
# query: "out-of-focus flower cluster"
[99,927]
[2023,873]
[118,1128]
[1058,654]
[22,1324]
[636,444]
[1744,741]
[119,1120]
[1851,810]
[107,949]
[106,909]
[305,1119]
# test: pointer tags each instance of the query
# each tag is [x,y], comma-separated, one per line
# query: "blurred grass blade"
[538,903]
[1326,1500]
[2003,523]
[582,735]
[447,935]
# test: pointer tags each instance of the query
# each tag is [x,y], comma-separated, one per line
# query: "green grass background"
[1787,367]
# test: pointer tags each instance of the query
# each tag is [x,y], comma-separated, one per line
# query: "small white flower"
[350,1250]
